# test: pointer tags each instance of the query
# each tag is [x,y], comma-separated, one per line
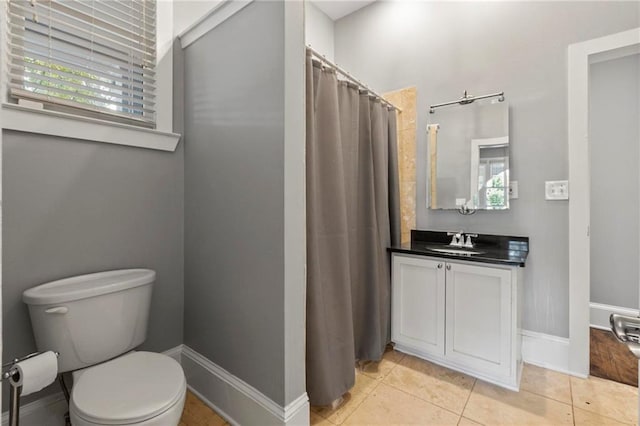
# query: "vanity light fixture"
[467,99]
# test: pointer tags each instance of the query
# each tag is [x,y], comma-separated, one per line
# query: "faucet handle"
[469,243]
[457,239]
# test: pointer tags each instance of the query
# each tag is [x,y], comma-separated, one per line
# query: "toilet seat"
[130,389]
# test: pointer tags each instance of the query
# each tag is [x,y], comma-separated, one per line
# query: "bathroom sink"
[456,251]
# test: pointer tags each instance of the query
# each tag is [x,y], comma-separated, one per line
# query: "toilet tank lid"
[85,286]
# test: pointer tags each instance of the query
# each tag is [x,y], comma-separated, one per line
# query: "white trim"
[547,351]
[294,201]
[24,119]
[236,400]
[579,57]
[240,385]
[216,16]
[175,353]
[297,412]
[599,314]
[164,66]
[610,55]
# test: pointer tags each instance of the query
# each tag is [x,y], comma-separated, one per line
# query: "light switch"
[513,189]
[556,190]
[460,202]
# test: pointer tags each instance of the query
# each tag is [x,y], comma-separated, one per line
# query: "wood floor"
[612,360]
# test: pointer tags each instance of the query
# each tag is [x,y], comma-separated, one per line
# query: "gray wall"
[614,112]
[234,198]
[444,48]
[73,207]
[319,31]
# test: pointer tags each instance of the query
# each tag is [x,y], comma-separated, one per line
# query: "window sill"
[31,120]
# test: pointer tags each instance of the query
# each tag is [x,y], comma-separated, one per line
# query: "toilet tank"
[91,318]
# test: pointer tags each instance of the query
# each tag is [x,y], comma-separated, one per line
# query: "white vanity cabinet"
[462,315]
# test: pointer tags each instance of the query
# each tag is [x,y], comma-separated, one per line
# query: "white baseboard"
[599,314]
[235,400]
[545,350]
[175,353]
[50,410]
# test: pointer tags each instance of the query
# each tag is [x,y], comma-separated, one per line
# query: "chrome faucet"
[458,240]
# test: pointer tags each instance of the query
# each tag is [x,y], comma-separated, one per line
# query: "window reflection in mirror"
[469,156]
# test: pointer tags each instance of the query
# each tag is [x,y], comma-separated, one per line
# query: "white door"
[418,294]
[478,317]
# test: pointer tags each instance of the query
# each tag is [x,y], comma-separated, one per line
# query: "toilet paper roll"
[36,372]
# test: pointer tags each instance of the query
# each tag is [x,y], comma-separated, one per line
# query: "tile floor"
[196,413]
[404,390]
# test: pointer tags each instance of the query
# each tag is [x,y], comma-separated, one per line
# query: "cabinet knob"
[448,267]
[439,265]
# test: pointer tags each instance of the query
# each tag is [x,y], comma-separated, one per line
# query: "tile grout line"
[422,399]
[468,397]
[540,393]
[395,364]
[573,407]
[378,383]
[361,402]
[550,398]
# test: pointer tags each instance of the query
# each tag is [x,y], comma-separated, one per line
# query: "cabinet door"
[417,319]
[478,318]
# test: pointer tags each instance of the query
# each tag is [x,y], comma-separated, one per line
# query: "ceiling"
[336,9]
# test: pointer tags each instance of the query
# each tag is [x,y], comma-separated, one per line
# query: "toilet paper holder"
[13,370]
[14,392]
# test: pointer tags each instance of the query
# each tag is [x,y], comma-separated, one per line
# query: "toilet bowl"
[94,322]
[139,388]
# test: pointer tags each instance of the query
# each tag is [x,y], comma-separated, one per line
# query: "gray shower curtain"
[353,215]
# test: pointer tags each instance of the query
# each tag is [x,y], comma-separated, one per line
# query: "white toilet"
[94,321]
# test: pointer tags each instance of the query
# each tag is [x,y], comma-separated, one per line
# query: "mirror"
[468,156]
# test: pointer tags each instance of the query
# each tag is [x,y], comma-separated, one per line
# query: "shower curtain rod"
[351,78]
[467,99]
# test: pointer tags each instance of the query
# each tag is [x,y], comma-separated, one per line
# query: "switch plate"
[461,202]
[513,190]
[556,190]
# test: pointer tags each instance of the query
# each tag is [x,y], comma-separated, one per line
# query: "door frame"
[580,57]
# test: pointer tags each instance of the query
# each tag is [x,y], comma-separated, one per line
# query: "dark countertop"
[496,249]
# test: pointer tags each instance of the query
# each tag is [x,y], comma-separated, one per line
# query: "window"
[93,57]
[491,180]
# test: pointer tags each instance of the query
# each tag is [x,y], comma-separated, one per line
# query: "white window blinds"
[93,55]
